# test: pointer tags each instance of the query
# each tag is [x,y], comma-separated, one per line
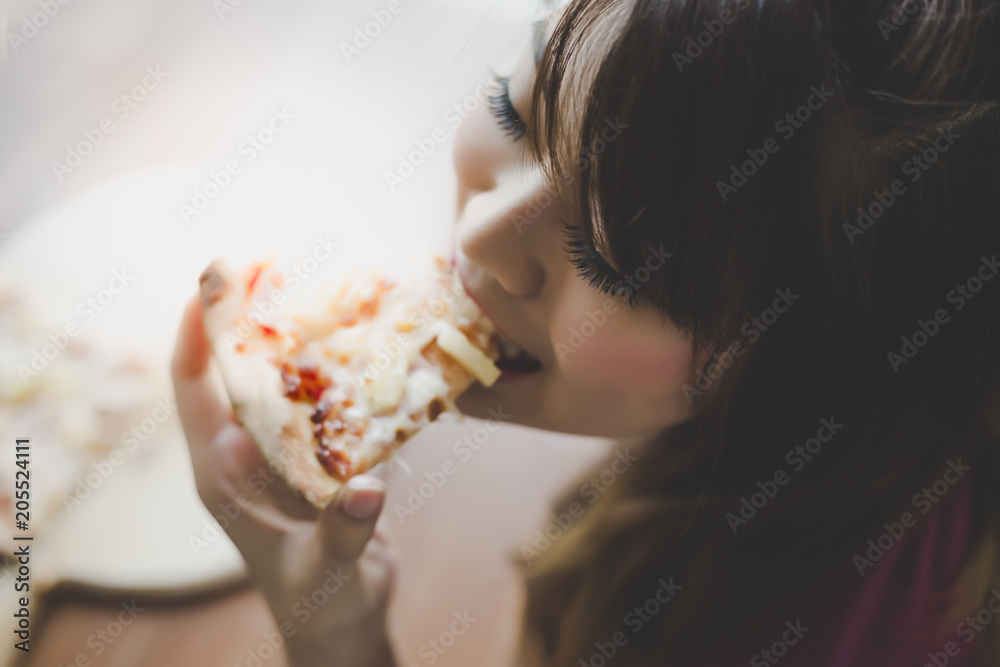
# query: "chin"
[523,401]
[510,401]
[516,405]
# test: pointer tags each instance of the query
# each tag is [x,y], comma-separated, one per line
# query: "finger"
[202,411]
[253,523]
[348,522]
[205,413]
[246,471]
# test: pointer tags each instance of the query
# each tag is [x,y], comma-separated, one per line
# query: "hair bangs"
[614,80]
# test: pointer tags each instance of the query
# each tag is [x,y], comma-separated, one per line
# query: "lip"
[486,314]
[475,299]
[511,375]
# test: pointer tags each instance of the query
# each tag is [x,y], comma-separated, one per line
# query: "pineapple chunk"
[386,390]
[454,342]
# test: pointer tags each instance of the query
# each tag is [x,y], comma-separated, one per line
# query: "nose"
[498,234]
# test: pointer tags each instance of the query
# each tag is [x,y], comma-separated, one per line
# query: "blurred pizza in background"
[84,406]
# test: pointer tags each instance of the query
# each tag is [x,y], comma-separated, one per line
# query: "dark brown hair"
[750,206]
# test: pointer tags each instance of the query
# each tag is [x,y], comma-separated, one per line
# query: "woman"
[761,238]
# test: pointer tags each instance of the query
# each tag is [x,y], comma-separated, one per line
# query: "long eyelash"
[592,267]
[503,110]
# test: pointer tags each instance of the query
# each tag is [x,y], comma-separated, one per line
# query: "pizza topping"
[322,411]
[254,277]
[369,307]
[478,337]
[306,382]
[387,389]
[359,388]
[471,357]
[449,373]
[434,409]
[336,463]
[332,434]
[328,429]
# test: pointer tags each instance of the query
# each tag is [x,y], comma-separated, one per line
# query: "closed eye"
[503,109]
[593,268]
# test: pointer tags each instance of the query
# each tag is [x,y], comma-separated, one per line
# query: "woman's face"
[603,367]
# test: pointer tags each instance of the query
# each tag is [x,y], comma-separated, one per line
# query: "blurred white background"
[228,63]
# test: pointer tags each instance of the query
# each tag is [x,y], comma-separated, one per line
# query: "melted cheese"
[368,343]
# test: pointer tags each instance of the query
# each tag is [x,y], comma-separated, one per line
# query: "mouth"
[514,361]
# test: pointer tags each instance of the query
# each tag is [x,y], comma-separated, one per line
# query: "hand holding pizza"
[293,549]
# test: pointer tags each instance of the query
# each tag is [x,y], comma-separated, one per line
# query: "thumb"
[348,522]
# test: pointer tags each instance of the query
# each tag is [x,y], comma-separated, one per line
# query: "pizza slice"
[80,409]
[330,383]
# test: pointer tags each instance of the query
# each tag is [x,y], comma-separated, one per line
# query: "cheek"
[628,354]
[644,367]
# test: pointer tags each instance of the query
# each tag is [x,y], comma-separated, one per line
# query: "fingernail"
[364,498]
